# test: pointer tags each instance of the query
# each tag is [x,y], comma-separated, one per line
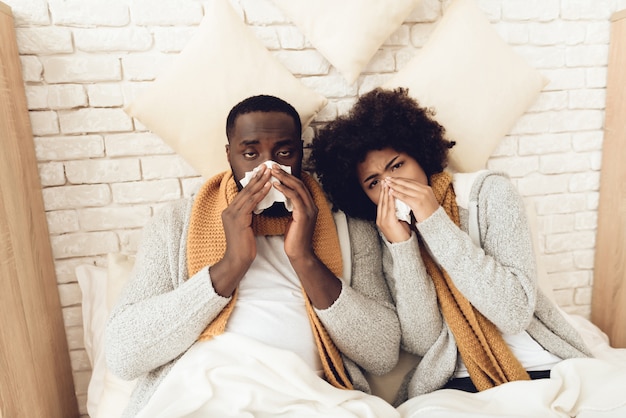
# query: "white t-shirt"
[270,304]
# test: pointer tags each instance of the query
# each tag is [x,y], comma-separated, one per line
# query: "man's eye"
[249,155]
[284,154]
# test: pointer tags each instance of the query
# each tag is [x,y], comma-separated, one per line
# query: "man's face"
[261,136]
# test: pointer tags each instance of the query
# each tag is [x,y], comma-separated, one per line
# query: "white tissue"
[273,195]
[403,211]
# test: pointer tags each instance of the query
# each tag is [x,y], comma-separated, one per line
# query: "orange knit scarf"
[206,245]
[487,357]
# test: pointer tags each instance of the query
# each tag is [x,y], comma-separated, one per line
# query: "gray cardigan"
[499,280]
[162,311]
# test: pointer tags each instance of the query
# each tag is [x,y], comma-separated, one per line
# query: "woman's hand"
[392,228]
[418,196]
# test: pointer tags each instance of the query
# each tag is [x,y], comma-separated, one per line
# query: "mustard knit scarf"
[206,245]
[487,357]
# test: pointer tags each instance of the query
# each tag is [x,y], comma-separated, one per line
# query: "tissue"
[273,195]
[403,211]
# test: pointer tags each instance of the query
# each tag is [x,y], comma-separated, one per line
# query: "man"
[219,263]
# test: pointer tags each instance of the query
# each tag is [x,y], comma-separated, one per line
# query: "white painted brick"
[44,122]
[81,381]
[290,37]
[62,221]
[557,223]
[583,182]
[327,113]
[420,34]
[587,99]
[584,311]
[565,78]
[595,160]
[586,221]
[307,135]
[51,174]
[105,95]
[507,147]
[344,105]
[331,86]
[70,197]
[112,39]
[532,123]
[542,58]
[56,96]
[400,37]
[587,141]
[92,13]
[586,55]
[169,13]
[564,297]
[32,69]
[576,120]
[582,296]
[76,69]
[72,316]
[544,144]
[550,100]
[539,185]
[563,163]
[103,219]
[570,241]
[191,185]
[74,336]
[557,32]
[146,191]
[172,39]
[68,147]
[92,120]
[567,203]
[597,32]
[425,11]
[29,12]
[371,81]
[595,77]
[513,33]
[70,294]
[36,97]
[262,12]
[143,67]
[382,62]
[307,62]
[267,35]
[166,166]
[568,279]
[130,240]
[558,262]
[592,200]
[44,40]
[515,167]
[84,244]
[102,171]
[65,269]
[584,259]
[80,360]
[541,10]
[583,10]
[404,56]
[135,144]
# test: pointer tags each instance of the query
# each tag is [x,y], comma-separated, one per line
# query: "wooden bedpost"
[35,371]
[608,305]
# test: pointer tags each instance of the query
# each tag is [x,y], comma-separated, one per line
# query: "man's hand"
[392,228]
[320,284]
[240,244]
[419,197]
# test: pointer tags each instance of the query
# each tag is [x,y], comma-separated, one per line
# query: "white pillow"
[347,32]
[222,64]
[476,83]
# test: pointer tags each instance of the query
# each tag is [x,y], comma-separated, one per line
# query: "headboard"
[35,372]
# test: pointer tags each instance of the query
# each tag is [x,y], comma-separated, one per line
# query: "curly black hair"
[380,119]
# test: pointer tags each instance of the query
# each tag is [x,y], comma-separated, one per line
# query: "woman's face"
[380,164]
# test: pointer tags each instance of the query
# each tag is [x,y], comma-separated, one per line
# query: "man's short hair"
[261,103]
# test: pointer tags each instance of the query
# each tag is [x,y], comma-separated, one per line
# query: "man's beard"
[277,210]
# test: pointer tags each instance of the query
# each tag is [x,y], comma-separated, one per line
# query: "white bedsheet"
[235,376]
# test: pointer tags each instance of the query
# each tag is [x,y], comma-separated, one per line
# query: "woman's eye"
[373,184]
[397,166]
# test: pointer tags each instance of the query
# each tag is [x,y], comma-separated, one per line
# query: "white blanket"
[235,376]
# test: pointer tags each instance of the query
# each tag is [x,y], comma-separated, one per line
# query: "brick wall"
[104,174]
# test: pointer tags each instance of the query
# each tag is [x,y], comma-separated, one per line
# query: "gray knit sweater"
[499,280]
[162,311]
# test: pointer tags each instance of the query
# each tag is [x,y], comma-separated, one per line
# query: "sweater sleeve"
[414,294]
[499,279]
[160,313]
[362,321]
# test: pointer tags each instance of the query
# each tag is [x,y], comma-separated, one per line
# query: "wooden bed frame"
[35,371]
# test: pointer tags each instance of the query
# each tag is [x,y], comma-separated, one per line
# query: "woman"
[474,313]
